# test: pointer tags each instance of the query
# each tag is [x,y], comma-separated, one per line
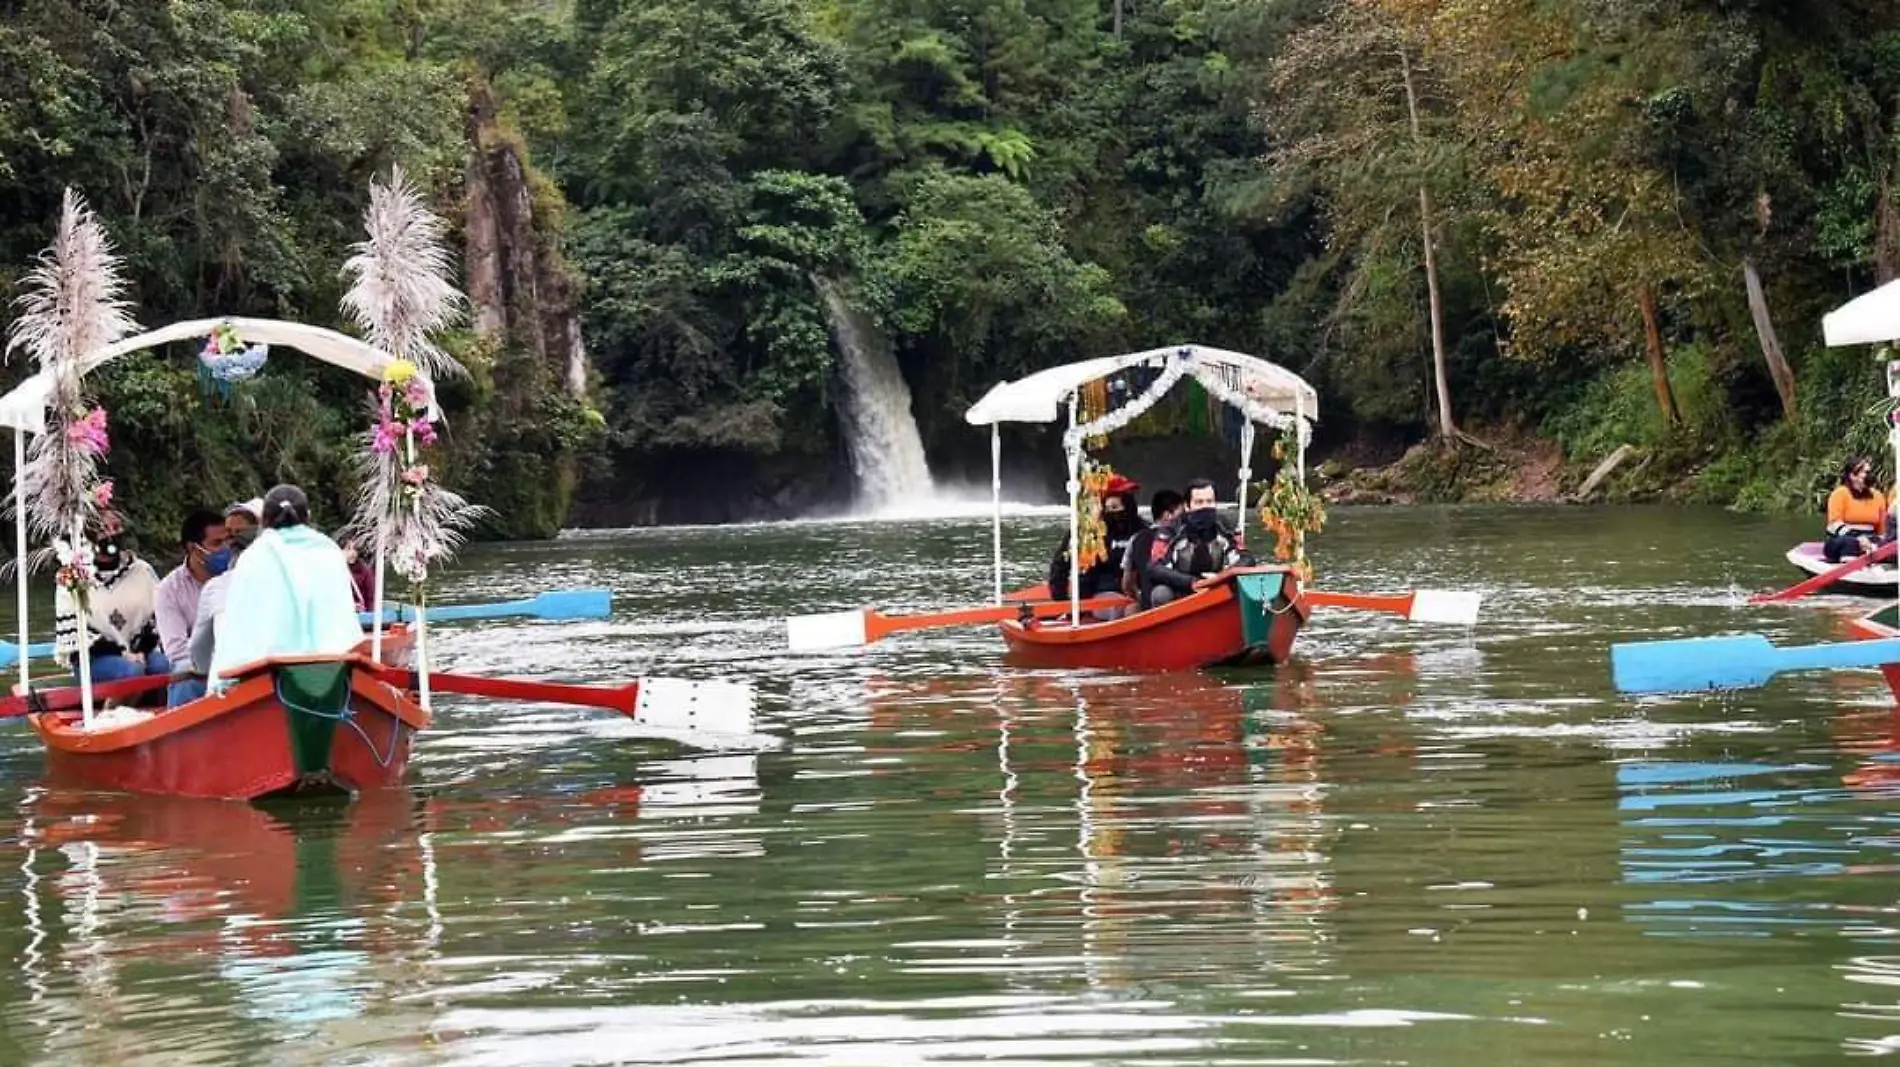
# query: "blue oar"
[558,604]
[10,652]
[1737,662]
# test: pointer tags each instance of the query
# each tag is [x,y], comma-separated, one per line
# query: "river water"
[1413,845]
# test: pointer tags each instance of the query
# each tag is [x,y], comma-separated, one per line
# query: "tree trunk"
[1778,368]
[1447,426]
[1118,20]
[1887,213]
[1886,232]
[1658,367]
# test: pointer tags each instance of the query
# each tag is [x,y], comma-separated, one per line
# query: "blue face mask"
[218,562]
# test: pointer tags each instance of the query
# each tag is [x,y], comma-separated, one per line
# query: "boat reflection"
[1164,822]
[285,910]
[307,916]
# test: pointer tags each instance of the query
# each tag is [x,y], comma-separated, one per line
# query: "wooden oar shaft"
[614,698]
[1397,603]
[66,697]
[880,625]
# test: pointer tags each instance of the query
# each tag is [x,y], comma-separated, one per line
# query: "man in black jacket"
[1188,554]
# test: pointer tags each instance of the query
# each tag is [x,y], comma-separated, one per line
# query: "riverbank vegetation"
[1581,224]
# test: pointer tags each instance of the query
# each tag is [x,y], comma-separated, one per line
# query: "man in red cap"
[1121,521]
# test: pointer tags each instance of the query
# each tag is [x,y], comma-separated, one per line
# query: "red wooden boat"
[1250,618]
[1881,624]
[290,725]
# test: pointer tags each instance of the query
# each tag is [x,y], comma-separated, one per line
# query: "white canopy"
[1040,396]
[25,407]
[1869,319]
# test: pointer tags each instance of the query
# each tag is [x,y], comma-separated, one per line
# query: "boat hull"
[1876,626]
[1251,619]
[1879,580]
[266,736]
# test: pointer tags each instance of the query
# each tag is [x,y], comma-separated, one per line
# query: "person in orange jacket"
[1858,520]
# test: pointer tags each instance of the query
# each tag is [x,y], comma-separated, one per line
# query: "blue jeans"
[184,691]
[115,668]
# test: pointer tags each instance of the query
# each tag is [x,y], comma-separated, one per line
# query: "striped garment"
[120,616]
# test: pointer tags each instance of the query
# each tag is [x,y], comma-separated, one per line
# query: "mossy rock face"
[1437,473]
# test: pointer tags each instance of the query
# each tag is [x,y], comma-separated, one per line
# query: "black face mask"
[1201,521]
[108,556]
[1121,524]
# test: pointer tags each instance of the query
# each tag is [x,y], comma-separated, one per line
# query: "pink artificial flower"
[102,494]
[88,434]
[387,435]
[418,394]
[424,431]
[416,475]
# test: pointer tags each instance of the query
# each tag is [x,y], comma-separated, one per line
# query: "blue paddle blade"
[1740,661]
[10,652]
[575,604]
[558,604]
[1691,664]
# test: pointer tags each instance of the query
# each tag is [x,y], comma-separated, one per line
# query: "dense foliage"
[1460,219]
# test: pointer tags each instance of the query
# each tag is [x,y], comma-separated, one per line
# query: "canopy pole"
[376,623]
[422,649]
[1299,435]
[85,634]
[996,502]
[1246,475]
[1075,520]
[422,593]
[1893,441]
[19,543]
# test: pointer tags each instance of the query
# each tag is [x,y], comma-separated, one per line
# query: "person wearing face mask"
[289,593]
[121,601]
[1136,585]
[1190,552]
[1121,521]
[204,630]
[203,535]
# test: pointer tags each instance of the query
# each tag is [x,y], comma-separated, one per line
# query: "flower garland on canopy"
[401,294]
[1288,509]
[71,306]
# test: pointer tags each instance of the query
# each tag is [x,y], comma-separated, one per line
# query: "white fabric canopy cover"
[25,407]
[1869,319]
[1041,396]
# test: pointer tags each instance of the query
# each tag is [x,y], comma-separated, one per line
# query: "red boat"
[291,725]
[1250,618]
[1881,624]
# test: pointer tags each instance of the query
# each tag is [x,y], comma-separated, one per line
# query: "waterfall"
[887,454]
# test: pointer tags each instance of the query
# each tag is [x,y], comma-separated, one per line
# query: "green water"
[1411,846]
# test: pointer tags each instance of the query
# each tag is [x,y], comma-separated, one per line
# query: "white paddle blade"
[835,629]
[1450,606]
[687,706]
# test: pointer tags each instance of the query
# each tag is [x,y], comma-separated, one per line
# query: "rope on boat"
[346,716]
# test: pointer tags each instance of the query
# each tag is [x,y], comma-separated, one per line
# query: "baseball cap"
[255,506]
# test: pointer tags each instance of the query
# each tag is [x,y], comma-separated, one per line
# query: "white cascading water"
[880,433]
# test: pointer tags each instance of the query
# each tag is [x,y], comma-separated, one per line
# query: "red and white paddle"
[861,626]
